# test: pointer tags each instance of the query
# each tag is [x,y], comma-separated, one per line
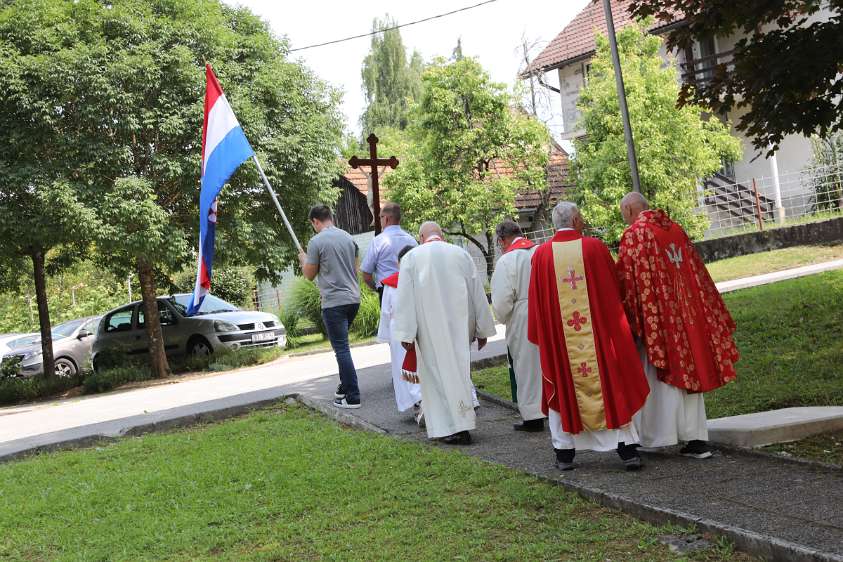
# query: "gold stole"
[572,288]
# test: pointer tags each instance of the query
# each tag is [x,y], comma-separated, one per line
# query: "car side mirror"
[83,334]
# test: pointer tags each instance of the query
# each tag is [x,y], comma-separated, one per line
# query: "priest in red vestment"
[592,381]
[681,323]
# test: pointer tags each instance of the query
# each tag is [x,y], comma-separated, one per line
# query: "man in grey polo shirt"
[381,259]
[332,256]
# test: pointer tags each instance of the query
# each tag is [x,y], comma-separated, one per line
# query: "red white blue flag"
[224,148]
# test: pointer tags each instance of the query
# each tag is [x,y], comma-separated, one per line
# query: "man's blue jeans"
[337,319]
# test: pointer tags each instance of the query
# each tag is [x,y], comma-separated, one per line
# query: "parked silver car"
[217,325]
[72,342]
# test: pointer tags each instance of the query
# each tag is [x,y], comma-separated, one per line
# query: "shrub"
[106,379]
[25,389]
[226,360]
[369,315]
[290,318]
[305,300]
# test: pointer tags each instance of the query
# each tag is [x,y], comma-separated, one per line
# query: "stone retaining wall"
[823,232]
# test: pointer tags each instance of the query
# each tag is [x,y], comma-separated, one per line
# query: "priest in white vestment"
[510,288]
[442,307]
[407,392]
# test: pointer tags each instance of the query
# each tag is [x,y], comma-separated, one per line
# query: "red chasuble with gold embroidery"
[591,372]
[674,306]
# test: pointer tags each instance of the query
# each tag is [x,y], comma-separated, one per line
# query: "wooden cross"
[374,162]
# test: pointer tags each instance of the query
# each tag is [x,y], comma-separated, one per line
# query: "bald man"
[683,329]
[441,308]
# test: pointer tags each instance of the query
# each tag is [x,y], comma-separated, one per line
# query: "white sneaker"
[344,403]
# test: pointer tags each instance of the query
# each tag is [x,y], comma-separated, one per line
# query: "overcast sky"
[492,33]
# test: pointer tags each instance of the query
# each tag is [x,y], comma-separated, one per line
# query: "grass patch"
[313,343]
[286,484]
[774,260]
[827,448]
[790,336]
[14,390]
[494,380]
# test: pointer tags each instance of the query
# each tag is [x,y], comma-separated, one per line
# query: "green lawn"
[287,484]
[827,448]
[774,260]
[790,335]
[313,343]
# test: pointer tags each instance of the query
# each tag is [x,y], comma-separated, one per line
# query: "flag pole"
[277,204]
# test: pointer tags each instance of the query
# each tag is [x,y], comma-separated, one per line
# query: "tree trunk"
[152,321]
[489,254]
[43,313]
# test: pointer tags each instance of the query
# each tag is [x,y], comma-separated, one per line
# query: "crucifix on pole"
[374,162]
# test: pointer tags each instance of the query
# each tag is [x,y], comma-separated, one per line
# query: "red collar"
[520,243]
[392,280]
[566,235]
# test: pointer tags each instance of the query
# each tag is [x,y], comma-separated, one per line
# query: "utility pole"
[627,128]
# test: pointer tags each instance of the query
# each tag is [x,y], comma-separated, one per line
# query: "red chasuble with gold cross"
[674,306]
[591,371]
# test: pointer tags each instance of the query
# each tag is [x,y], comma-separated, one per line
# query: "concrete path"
[768,506]
[78,420]
[755,280]
[771,507]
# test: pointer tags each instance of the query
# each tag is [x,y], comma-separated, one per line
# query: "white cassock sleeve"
[503,291]
[406,325]
[484,324]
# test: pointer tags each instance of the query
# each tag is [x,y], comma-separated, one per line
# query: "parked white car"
[217,325]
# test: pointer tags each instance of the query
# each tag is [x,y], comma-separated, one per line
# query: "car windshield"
[23,341]
[66,330]
[210,305]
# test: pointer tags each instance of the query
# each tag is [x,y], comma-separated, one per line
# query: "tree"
[785,72]
[676,148]
[390,81]
[825,174]
[47,224]
[470,154]
[125,93]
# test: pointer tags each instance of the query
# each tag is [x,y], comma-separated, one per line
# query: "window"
[168,318]
[119,321]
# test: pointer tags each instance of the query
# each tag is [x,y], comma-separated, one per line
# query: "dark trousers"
[337,319]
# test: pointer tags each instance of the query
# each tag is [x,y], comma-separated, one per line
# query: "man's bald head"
[631,206]
[428,229]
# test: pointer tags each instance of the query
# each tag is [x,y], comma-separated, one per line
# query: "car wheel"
[65,368]
[199,347]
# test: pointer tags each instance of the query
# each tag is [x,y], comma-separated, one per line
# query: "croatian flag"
[224,148]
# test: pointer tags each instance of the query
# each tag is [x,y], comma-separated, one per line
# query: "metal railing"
[814,193]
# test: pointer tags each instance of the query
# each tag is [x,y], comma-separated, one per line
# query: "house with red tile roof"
[569,56]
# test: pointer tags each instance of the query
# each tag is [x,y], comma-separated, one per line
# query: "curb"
[756,544]
[764,546]
[337,414]
[106,435]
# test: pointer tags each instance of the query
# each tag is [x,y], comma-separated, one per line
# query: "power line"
[393,27]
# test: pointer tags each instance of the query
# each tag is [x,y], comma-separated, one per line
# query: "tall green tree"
[470,154]
[391,80]
[676,148]
[125,88]
[785,71]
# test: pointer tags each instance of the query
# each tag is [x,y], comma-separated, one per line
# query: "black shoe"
[345,403]
[340,393]
[696,449]
[531,426]
[565,459]
[629,456]
[632,464]
[460,438]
